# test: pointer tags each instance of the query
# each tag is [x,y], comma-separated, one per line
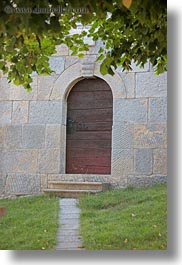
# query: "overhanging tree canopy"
[132,30]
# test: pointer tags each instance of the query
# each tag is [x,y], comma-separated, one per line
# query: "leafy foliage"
[130,30]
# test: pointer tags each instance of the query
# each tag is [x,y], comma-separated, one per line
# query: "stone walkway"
[69,221]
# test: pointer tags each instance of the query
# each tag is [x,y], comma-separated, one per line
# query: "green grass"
[30,224]
[132,218]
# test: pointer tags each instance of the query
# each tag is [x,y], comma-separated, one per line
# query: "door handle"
[70,125]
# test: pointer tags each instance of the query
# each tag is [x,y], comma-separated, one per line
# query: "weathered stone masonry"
[33,126]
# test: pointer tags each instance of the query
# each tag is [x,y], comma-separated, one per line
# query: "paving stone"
[69,246]
[69,202]
[69,219]
[69,215]
[70,210]
[73,225]
[69,238]
[63,232]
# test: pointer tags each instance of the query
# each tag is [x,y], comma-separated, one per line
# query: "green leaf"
[101,57]
[105,65]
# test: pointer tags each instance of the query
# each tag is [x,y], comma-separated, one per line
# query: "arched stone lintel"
[74,73]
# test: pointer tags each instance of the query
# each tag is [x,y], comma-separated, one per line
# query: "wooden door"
[89,128]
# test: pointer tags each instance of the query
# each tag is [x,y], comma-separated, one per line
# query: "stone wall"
[33,125]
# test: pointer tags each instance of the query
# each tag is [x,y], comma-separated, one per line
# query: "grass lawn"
[30,223]
[132,218]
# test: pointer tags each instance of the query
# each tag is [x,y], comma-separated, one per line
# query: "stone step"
[66,193]
[70,185]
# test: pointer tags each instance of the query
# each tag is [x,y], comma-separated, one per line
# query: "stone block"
[5,110]
[53,136]
[44,182]
[122,134]
[2,136]
[143,161]
[130,110]
[88,65]
[158,110]
[150,85]
[2,181]
[94,49]
[67,78]
[22,184]
[160,161]
[115,82]
[14,137]
[4,88]
[1,161]
[56,64]
[49,160]
[61,50]
[33,136]
[22,161]
[145,181]
[45,112]
[122,162]
[45,86]
[150,136]
[70,60]
[63,149]
[20,112]
[129,82]
[20,93]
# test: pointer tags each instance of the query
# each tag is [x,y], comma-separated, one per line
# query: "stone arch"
[75,72]
[68,79]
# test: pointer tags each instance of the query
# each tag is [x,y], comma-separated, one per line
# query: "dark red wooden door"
[89,128]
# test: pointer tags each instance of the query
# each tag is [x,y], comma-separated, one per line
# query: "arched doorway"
[89,128]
